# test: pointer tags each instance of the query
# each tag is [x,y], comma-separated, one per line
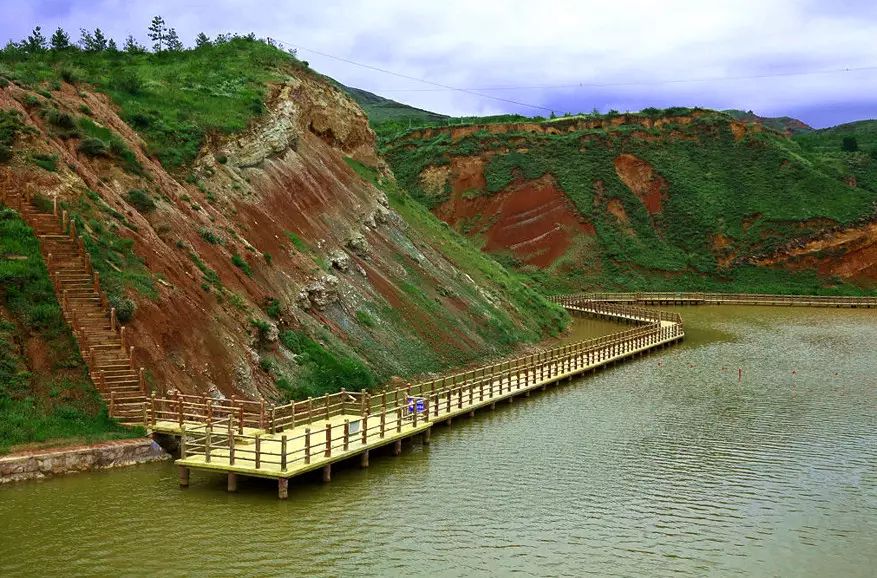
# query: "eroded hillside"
[689,200]
[274,264]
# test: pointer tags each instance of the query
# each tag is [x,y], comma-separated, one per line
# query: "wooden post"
[364,429]
[426,435]
[230,439]
[398,419]
[258,450]
[363,459]
[346,435]
[283,488]
[283,451]
[307,445]
[207,442]
[241,419]
[153,407]
[113,321]
[55,205]
[383,423]
[328,452]
[397,447]
[232,482]
[327,473]
[97,282]
[184,477]
[262,413]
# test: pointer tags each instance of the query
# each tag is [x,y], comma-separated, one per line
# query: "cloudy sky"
[812,59]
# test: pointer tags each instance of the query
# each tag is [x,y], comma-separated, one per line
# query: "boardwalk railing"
[718,299]
[307,434]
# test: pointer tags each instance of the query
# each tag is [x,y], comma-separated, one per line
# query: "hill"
[677,199]
[783,124]
[380,109]
[250,237]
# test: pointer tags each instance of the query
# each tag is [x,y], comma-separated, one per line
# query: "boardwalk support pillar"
[426,435]
[282,488]
[327,473]
[232,482]
[184,477]
[397,447]
[363,459]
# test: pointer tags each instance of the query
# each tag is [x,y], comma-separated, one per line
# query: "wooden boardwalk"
[695,298]
[306,436]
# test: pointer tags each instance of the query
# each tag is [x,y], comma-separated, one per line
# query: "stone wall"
[58,462]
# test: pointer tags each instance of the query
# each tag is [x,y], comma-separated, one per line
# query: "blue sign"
[411,402]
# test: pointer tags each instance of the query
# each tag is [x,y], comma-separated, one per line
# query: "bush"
[3,82]
[209,236]
[92,148]
[273,308]
[141,201]
[239,262]
[365,319]
[849,144]
[32,101]
[69,75]
[267,257]
[5,153]
[62,120]
[222,159]
[124,308]
[127,81]
[47,162]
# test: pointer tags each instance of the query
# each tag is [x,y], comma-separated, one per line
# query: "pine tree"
[158,33]
[111,47]
[100,41]
[36,42]
[131,46]
[172,41]
[202,40]
[60,40]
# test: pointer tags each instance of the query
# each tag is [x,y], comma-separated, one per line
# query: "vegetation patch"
[323,371]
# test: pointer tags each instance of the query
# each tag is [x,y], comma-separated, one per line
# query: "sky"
[815,60]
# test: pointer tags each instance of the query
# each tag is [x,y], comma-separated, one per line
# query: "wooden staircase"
[101,340]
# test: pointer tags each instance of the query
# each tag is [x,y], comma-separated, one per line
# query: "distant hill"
[380,109]
[784,124]
[830,139]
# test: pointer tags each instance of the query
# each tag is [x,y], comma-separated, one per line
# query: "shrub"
[47,162]
[62,120]
[222,159]
[124,308]
[210,236]
[5,153]
[849,144]
[69,75]
[325,371]
[262,329]
[92,148]
[273,308]
[364,318]
[267,257]
[239,262]
[32,101]
[141,201]
[3,82]
[127,81]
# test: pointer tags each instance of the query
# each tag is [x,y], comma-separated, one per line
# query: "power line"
[442,87]
[645,83]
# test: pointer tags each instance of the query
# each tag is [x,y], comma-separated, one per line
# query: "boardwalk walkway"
[312,435]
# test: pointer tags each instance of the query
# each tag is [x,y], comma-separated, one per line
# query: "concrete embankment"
[61,461]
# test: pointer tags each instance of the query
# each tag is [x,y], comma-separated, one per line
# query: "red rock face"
[532,219]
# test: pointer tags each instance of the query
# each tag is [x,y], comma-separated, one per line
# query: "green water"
[641,470]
